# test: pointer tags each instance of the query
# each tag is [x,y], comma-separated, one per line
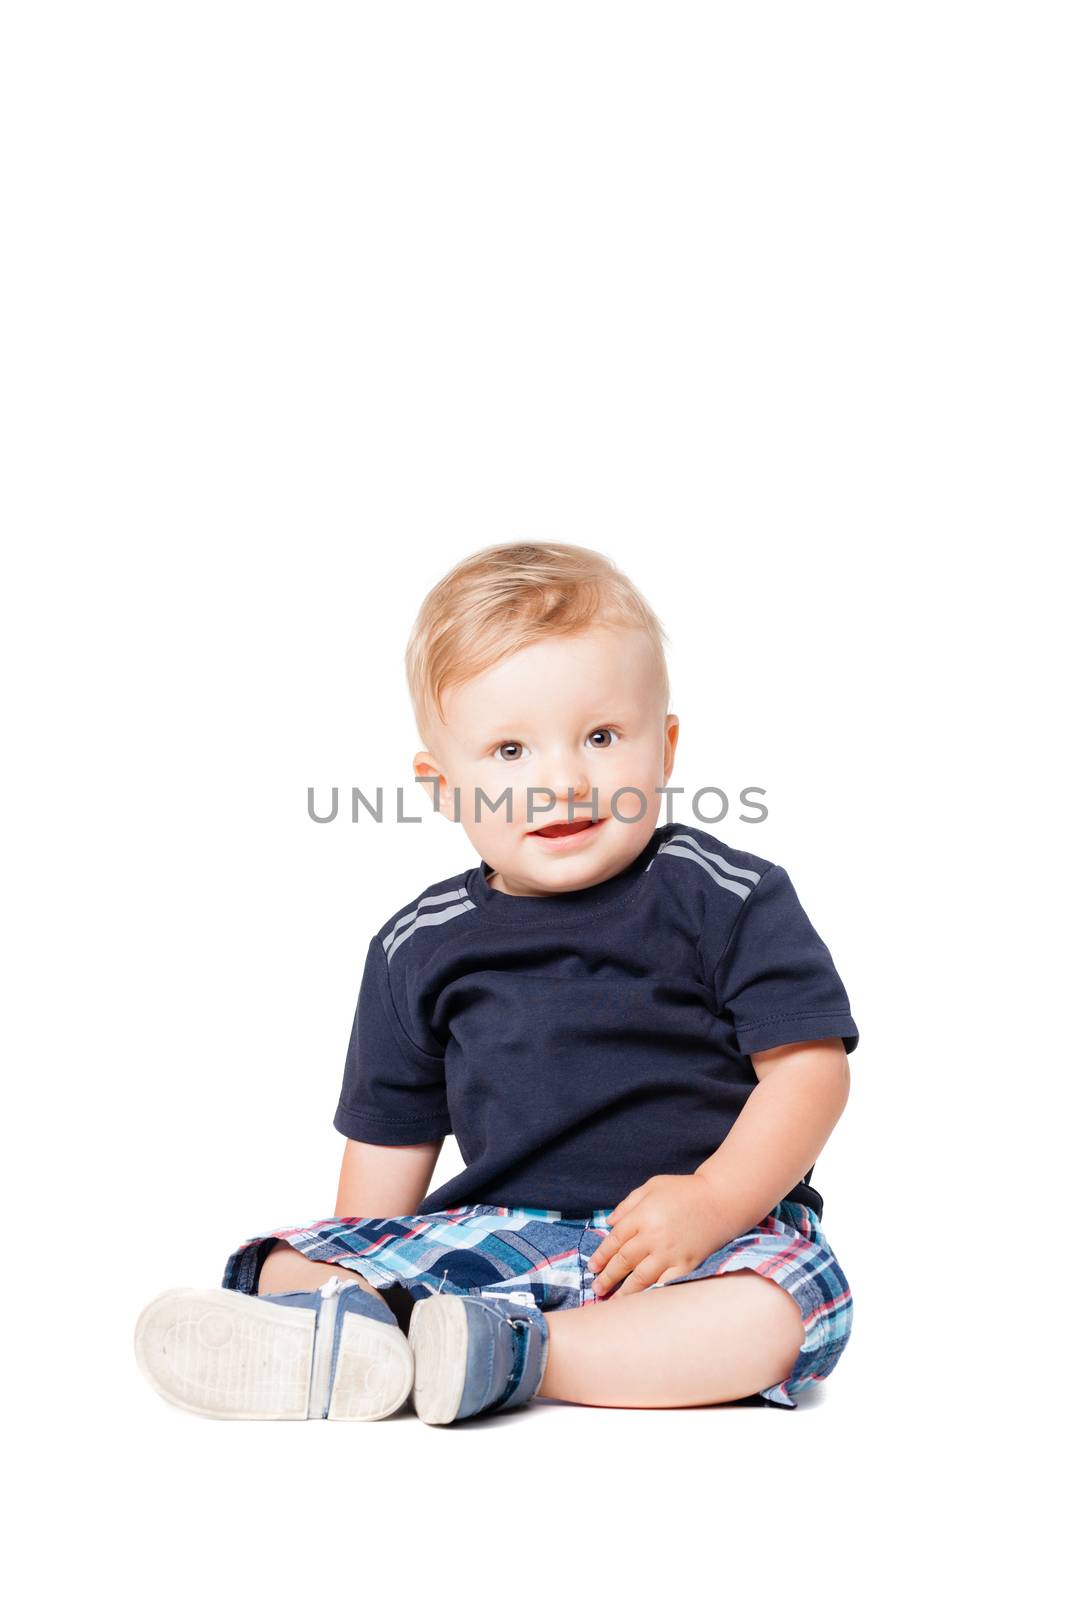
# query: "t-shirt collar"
[558,907]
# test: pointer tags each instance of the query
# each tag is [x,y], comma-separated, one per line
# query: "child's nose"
[575,780]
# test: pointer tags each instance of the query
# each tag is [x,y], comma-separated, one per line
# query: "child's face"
[582,711]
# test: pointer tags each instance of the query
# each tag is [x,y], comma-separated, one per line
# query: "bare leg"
[285,1270]
[690,1344]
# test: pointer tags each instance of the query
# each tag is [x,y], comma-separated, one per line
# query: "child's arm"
[382,1180]
[781,1128]
[665,1227]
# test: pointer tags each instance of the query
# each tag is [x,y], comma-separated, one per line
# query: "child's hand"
[662,1230]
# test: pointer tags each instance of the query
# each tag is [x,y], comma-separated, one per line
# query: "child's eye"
[612,737]
[511,745]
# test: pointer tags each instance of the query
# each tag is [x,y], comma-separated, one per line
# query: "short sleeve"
[393,1091]
[776,979]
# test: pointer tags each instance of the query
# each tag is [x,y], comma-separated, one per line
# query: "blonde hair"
[507,596]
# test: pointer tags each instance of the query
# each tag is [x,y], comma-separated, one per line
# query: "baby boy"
[633,1031]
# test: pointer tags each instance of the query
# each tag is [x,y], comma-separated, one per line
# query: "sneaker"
[474,1354]
[335,1352]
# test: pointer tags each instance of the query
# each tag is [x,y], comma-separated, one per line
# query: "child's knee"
[284,1270]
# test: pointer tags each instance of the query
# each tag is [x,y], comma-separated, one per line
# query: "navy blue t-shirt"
[578,1044]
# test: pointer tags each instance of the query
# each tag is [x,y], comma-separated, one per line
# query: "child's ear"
[670,735]
[433,780]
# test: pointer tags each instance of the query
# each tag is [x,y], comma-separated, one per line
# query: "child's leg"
[687,1344]
[285,1270]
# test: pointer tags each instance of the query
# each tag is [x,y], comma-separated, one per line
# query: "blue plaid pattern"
[541,1256]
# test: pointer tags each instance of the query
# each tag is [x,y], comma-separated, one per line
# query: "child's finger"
[626,1204]
[603,1253]
[618,1266]
[610,1243]
[605,1250]
[641,1277]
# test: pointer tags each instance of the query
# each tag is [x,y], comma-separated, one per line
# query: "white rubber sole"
[437,1335]
[224,1354]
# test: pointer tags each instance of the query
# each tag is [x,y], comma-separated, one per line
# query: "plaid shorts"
[542,1257]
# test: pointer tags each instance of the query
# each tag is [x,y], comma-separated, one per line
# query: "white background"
[305,303]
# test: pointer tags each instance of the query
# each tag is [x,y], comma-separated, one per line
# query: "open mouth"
[563,830]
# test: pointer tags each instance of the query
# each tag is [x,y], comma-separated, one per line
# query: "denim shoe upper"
[507,1352]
